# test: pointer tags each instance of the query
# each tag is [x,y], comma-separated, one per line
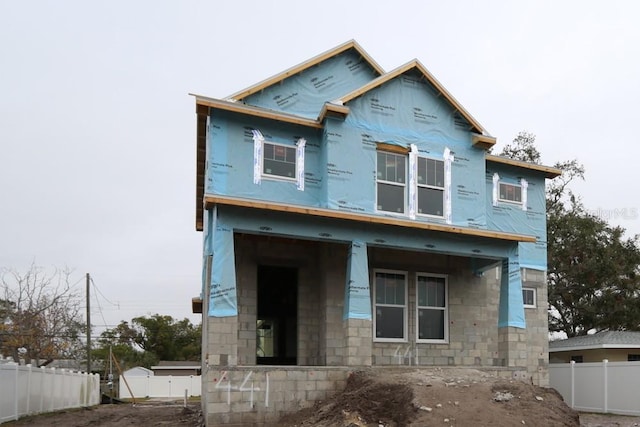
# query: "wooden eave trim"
[201,135]
[483,141]
[238,107]
[335,214]
[383,146]
[351,44]
[548,171]
[333,110]
[476,126]
[196,305]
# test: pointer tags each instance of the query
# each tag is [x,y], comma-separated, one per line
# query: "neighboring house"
[615,346]
[354,217]
[177,368]
[138,371]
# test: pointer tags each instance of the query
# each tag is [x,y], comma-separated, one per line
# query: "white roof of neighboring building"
[606,339]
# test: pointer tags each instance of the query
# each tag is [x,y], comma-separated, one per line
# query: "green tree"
[592,268]
[148,339]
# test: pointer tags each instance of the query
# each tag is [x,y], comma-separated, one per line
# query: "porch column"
[512,337]
[357,308]
[221,301]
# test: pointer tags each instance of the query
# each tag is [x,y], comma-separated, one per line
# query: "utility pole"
[88,326]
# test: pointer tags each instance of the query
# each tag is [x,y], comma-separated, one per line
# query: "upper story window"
[279,161]
[390,296]
[409,184]
[391,182]
[507,192]
[510,193]
[272,160]
[430,182]
[432,308]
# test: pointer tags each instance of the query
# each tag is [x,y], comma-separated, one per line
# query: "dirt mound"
[443,397]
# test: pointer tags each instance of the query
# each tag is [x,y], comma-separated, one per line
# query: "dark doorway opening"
[277,321]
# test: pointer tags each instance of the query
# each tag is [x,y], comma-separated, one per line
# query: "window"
[432,308]
[633,358]
[279,160]
[577,359]
[510,193]
[430,187]
[390,294]
[391,182]
[529,297]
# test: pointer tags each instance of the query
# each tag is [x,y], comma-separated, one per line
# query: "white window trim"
[403,185]
[535,296]
[523,184]
[258,161]
[411,185]
[507,200]
[434,187]
[445,309]
[405,328]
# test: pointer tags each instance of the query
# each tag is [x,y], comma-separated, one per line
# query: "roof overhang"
[593,347]
[210,201]
[482,141]
[548,171]
[351,44]
[196,305]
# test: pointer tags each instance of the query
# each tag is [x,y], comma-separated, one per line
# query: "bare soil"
[375,398]
[149,413]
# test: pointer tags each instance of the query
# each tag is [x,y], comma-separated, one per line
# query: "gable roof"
[606,339]
[351,44]
[415,65]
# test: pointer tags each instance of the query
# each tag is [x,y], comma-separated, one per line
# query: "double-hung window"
[432,308]
[390,295]
[430,182]
[391,182]
[279,161]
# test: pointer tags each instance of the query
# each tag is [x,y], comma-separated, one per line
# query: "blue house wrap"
[338,150]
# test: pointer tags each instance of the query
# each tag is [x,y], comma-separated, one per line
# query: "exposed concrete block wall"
[325,338]
[260,395]
[473,312]
[537,332]
[321,278]
[334,278]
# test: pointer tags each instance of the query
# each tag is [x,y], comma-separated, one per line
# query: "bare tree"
[39,315]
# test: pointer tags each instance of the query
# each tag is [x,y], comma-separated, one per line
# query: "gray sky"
[97,131]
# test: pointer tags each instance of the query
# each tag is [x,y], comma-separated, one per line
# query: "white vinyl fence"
[608,387]
[160,386]
[27,390]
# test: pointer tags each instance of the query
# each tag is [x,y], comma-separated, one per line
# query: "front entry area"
[277,320]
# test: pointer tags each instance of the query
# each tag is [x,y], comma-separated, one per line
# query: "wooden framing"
[209,201]
[482,141]
[548,171]
[333,110]
[351,44]
[383,146]
[238,107]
